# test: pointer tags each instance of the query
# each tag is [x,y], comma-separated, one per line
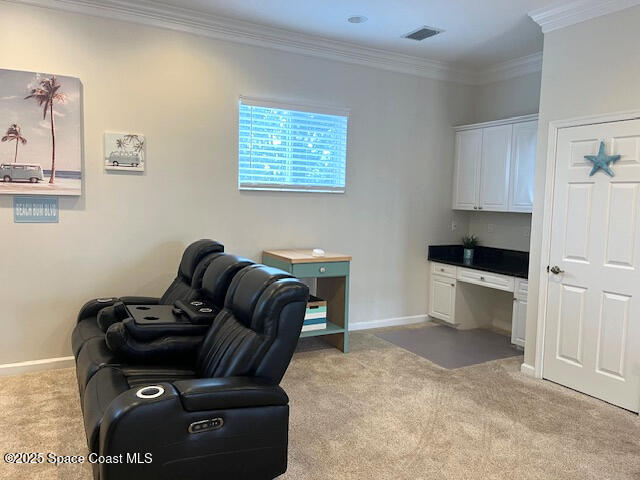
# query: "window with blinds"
[289,147]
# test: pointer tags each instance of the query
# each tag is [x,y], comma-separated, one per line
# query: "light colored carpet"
[380,412]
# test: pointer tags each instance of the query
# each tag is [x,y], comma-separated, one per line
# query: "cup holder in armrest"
[151,391]
[151,317]
[142,307]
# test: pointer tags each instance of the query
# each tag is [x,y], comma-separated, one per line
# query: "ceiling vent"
[422,33]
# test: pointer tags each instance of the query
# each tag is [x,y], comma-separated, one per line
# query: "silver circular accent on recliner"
[206,310]
[151,391]
[104,300]
[196,303]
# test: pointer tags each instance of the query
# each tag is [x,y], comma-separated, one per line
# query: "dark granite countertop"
[495,260]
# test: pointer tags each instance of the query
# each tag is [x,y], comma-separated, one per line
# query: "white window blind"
[291,147]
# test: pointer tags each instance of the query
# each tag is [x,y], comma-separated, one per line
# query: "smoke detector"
[422,33]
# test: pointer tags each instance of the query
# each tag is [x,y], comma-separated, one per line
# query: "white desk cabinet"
[519,315]
[494,165]
[442,298]
[474,306]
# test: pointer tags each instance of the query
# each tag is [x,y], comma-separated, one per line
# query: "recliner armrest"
[92,307]
[131,300]
[230,392]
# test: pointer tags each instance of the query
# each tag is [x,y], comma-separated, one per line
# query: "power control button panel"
[206,425]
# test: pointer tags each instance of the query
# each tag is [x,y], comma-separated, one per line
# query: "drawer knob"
[442,269]
[482,278]
[322,270]
[453,284]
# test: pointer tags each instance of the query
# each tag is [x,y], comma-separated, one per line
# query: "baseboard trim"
[528,370]
[388,322]
[36,365]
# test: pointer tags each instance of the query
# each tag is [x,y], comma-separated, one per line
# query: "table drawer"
[321,269]
[443,269]
[486,279]
[522,288]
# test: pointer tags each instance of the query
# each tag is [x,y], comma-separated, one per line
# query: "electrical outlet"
[491,228]
[454,226]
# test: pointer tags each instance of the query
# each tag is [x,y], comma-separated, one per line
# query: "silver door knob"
[322,269]
[556,270]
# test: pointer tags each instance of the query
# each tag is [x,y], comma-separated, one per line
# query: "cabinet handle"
[479,208]
[475,208]
[442,269]
[453,284]
[322,269]
[482,278]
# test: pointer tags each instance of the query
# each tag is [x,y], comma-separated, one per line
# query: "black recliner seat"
[186,284]
[230,420]
[125,341]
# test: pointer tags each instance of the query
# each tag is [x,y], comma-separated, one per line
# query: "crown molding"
[157,14]
[560,16]
[511,69]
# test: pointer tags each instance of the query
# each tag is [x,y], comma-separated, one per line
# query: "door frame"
[550,177]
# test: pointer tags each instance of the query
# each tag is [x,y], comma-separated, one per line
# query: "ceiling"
[478,33]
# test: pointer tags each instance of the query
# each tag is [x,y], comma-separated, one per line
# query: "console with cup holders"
[149,338]
[185,286]
[194,383]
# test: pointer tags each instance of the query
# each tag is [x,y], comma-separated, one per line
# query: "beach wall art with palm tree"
[124,152]
[40,133]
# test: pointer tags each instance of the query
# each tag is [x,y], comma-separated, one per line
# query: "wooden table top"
[303,255]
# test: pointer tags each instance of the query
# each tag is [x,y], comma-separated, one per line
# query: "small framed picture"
[124,152]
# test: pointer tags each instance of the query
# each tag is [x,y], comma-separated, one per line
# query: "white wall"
[584,73]
[501,230]
[126,233]
[494,101]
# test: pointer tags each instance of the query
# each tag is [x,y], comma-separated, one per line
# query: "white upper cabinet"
[467,169]
[494,165]
[523,162]
[494,169]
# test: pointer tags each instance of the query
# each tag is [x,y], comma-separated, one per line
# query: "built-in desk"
[468,296]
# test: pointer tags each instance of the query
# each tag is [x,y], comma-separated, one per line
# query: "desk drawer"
[486,279]
[320,269]
[443,269]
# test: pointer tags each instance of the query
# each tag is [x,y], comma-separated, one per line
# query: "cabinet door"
[442,298]
[467,166]
[523,160]
[494,170]
[519,321]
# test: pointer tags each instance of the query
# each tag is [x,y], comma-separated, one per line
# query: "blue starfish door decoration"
[602,161]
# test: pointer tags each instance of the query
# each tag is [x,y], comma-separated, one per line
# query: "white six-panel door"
[592,328]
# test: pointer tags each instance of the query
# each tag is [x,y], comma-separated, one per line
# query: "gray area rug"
[451,348]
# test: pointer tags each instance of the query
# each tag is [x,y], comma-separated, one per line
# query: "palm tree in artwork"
[46,94]
[138,147]
[120,144]
[14,134]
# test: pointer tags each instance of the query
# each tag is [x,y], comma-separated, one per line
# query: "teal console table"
[332,284]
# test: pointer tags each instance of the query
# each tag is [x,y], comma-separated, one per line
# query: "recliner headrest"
[246,288]
[273,299]
[219,274]
[194,253]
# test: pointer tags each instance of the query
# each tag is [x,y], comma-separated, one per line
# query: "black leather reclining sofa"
[193,388]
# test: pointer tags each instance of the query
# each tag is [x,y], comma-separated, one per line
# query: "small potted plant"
[469,242]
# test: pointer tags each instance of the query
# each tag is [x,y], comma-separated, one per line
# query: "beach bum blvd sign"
[35,209]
